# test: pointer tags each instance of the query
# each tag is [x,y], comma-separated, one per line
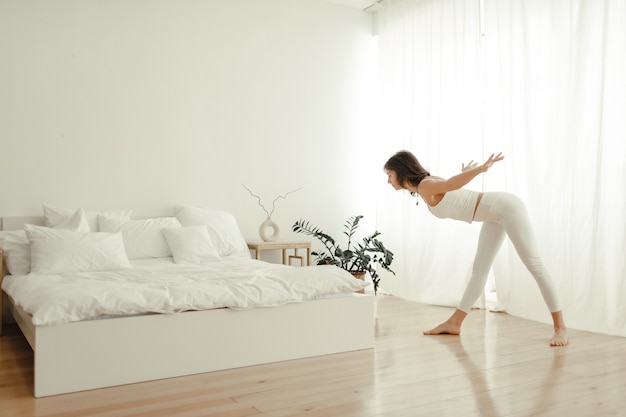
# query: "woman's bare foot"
[560,338]
[450,326]
[560,331]
[444,328]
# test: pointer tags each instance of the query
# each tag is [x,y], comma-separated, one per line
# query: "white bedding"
[161,286]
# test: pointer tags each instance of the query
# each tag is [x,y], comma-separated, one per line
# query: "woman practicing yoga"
[501,214]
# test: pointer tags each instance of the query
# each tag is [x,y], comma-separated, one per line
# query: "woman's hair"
[407,168]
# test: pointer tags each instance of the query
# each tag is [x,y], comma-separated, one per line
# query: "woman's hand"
[485,166]
[471,164]
[492,160]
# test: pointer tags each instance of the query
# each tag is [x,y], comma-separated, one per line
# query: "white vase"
[269,230]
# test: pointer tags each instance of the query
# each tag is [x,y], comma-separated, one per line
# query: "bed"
[208,305]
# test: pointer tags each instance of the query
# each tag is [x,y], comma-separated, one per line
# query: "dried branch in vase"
[269,213]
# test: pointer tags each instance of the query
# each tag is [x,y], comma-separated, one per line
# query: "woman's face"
[392,178]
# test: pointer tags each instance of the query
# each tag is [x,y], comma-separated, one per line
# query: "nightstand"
[257,247]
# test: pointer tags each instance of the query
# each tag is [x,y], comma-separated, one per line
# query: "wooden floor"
[500,366]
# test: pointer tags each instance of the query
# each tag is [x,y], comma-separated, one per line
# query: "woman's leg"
[489,242]
[519,229]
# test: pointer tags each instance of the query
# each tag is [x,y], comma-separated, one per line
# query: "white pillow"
[191,245]
[77,222]
[56,251]
[16,246]
[222,227]
[142,238]
[55,215]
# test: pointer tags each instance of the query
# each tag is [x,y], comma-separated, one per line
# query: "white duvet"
[161,286]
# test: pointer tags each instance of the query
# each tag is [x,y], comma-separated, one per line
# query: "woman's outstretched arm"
[434,185]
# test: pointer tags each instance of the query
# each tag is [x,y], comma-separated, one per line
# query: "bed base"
[95,354]
[102,353]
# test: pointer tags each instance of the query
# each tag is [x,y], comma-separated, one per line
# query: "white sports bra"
[458,205]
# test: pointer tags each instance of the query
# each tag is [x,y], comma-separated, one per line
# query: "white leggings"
[504,213]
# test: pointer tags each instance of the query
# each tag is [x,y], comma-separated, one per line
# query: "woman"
[501,214]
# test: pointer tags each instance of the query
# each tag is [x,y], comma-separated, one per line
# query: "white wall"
[146,104]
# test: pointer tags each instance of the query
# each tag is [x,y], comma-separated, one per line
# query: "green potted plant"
[357,258]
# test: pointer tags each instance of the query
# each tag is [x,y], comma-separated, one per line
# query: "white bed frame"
[102,353]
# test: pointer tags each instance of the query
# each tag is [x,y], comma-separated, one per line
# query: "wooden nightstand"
[257,247]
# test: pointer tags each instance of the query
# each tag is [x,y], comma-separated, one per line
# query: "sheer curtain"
[542,82]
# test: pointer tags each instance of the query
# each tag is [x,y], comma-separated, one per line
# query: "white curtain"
[542,81]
